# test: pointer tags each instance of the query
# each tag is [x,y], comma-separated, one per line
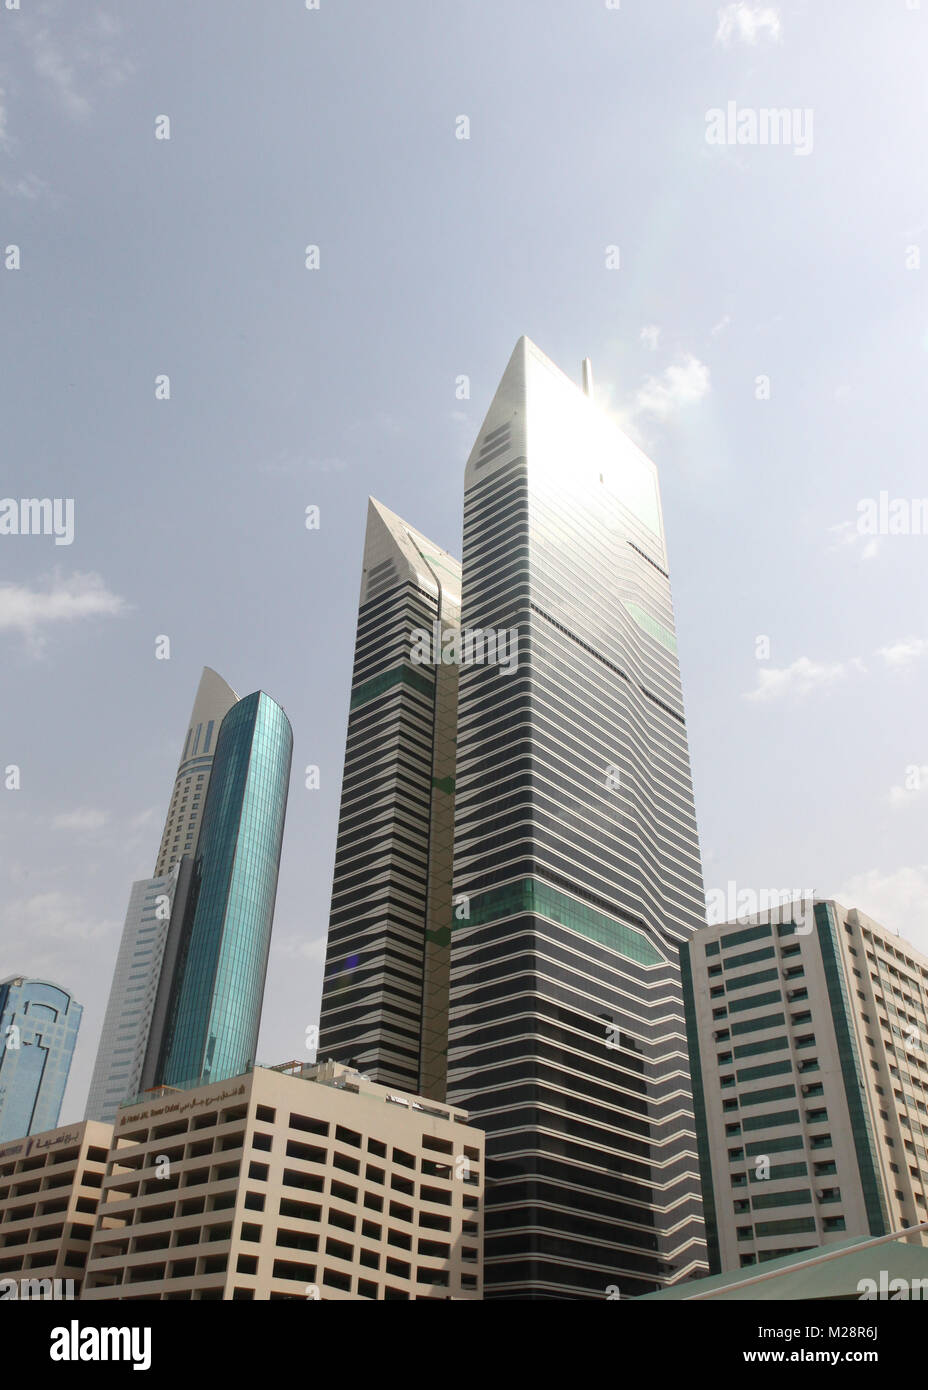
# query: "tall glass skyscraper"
[576,848]
[130,1009]
[208,1009]
[38,1030]
[385,992]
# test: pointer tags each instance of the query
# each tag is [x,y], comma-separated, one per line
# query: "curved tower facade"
[219,946]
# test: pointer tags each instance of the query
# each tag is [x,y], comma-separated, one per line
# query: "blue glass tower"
[38,1030]
[216,955]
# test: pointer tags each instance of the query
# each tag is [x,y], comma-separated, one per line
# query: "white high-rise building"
[127,1023]
[810,1074]
[215,697]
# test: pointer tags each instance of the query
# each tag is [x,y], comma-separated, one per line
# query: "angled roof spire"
[394,551]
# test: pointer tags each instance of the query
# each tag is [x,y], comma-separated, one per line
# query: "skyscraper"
[38,1029]
[124,1040]
[117,1073]
[213,701]
[575,845]
[385,991]
[208,1010]
[811,1080]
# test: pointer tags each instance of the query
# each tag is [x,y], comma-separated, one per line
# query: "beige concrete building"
[290,1182]
[808,1035]
[50,1185]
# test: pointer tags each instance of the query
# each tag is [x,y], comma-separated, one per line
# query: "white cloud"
[52,917]
[27,186]
[905,651]
[898,900]
[298,948]
[847,533]
[4,133]
[914,785]
[75,61]
[720,327]
[747,23]
[85,818]
[61,601]
[51,64]
[651,336]
[802,678]
[679,385]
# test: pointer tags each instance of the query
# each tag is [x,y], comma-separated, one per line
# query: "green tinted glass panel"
[651,626]
[541,900]
[377,685]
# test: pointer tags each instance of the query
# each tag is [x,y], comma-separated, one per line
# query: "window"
[309,1153]
[339,1249]
[769,1093]
[309,1125]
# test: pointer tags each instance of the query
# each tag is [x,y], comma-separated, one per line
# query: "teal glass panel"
[541,900]
[217,998]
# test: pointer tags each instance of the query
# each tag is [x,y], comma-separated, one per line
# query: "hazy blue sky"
[338,127]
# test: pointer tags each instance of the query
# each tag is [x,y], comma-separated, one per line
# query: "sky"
[601,177]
